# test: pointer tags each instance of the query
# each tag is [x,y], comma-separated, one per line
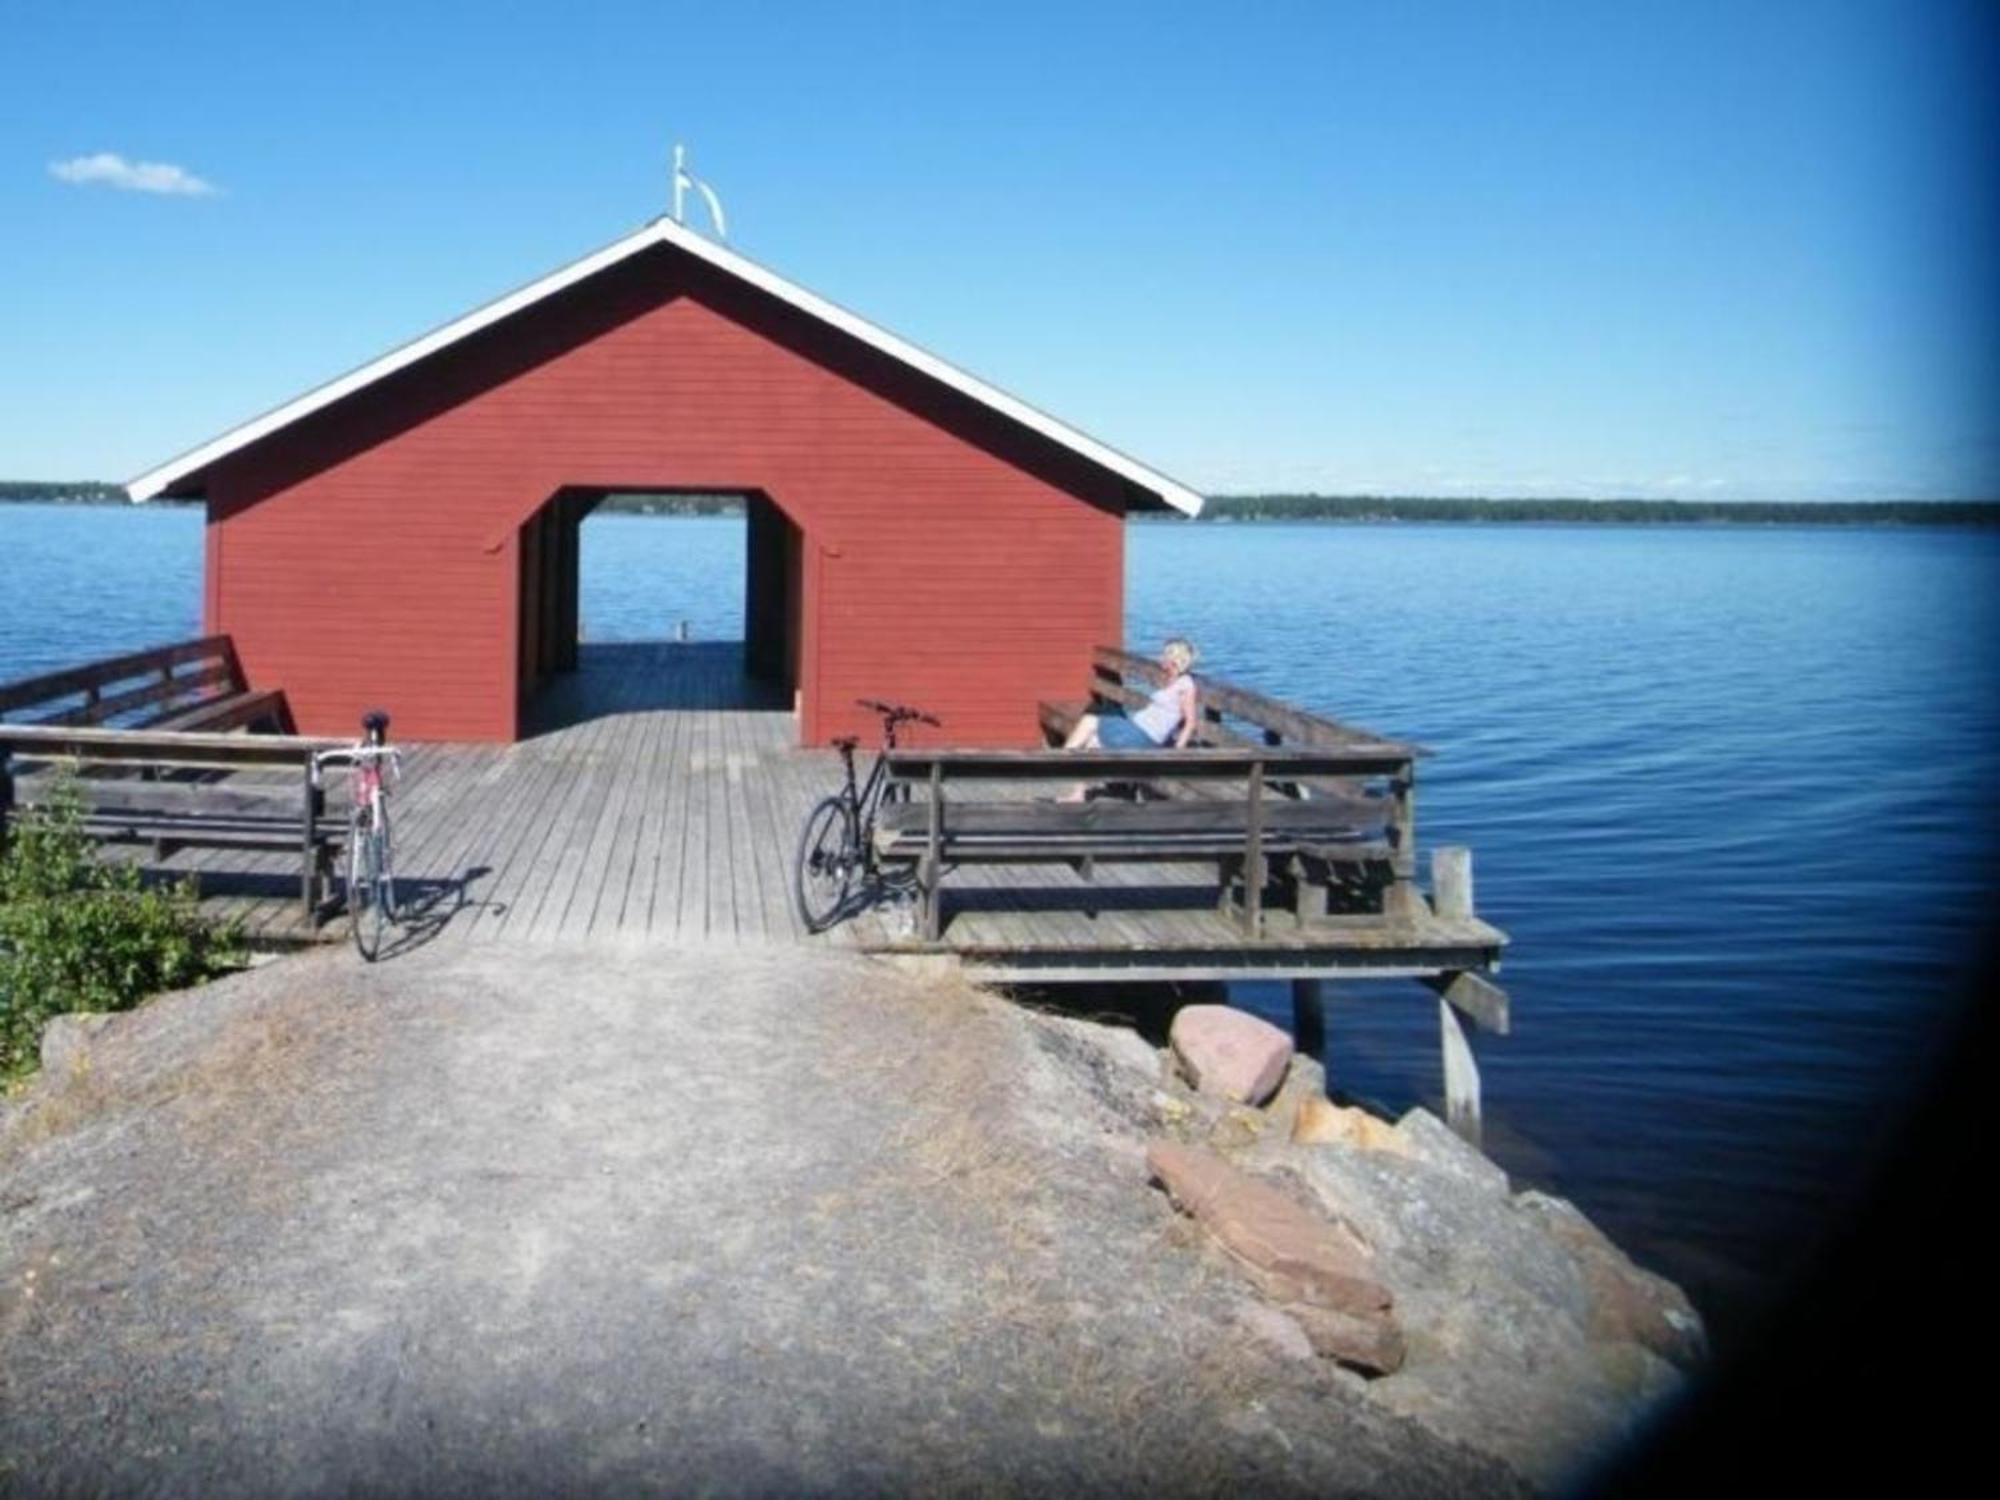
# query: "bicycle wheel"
[364,905]
[828,862]
[386,895]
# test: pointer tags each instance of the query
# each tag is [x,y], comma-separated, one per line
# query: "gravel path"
[587,1222]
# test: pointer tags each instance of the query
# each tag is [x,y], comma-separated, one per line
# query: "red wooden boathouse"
[407,535]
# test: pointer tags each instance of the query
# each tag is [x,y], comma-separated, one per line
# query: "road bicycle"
[371,870]
[836,857]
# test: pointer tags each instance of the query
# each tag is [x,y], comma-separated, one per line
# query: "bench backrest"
[23,746]
[1334,771]
[130,691]
[1197,763]
[1232,715]
[140,748]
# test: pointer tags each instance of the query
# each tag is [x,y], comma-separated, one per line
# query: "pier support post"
[1461,1075]
[1309,1016]
[1402,898]
[1451,881]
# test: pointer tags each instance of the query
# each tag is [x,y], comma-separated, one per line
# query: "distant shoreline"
[1359,509]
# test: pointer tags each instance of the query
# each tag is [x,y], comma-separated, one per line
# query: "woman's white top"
[1162,715]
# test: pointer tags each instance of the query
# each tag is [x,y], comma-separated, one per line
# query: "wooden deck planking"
[697,875]
[556,790]
[610,891]
[660,804]
[636,917]
[665,919]
[776,837]
[535,879]
[586,858]
[753,918]
[551,878]
[537,777]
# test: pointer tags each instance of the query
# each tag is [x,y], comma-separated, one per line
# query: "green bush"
[82,933]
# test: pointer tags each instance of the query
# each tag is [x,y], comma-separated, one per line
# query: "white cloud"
[111,169]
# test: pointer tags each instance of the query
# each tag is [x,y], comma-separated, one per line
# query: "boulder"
[1290,1254]
[1428,1139]
[1229,1053]
[1512,1327]
[1627,1302]
[1321,1122]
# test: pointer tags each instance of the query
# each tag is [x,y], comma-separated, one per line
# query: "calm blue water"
[1731,792]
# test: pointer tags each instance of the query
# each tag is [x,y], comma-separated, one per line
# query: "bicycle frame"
[864,795]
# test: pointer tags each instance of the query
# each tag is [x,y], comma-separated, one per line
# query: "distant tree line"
[671,505]
[1315,507]
[1751,512]
[61,491]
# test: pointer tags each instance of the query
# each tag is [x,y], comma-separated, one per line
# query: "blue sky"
[1682,250]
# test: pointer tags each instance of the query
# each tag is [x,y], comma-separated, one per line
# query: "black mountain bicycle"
[837,845]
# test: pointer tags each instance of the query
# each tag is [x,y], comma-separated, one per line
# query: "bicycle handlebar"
[898,713]
[357,755]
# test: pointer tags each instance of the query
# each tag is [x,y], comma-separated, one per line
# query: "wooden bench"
[188,686]
[1250,825]
[159,787]
[1240,718]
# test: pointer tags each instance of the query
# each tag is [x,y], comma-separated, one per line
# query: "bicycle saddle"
[375,723]
[845,742]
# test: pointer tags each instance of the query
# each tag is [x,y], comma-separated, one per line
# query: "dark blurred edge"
[1878,1366]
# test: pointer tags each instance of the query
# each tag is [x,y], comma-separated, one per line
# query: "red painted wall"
[368,554]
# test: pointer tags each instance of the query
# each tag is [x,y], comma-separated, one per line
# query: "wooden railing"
[1236,717]
[161,790]
[1259,718]
[190,685]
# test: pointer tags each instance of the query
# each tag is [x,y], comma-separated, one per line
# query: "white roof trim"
[666,232]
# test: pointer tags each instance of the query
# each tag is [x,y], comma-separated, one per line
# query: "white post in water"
[1461,1075]
[1451,881]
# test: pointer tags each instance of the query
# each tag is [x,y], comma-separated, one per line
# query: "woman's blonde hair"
[1181,649]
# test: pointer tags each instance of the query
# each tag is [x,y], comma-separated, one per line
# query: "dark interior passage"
[773,594]
[551,545]
[682,668]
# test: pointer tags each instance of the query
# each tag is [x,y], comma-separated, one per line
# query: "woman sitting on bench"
[1169,717]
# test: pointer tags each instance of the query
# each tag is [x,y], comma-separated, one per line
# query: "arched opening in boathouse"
[651,598]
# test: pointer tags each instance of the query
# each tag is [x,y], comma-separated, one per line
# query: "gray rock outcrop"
[1525,1333]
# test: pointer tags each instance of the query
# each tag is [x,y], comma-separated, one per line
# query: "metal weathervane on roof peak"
[683,180]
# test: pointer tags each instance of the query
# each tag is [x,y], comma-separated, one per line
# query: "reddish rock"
[1229,1053]
[1292,1255]
[1372,1345]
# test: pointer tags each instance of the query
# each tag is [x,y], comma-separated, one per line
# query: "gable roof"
[665,231]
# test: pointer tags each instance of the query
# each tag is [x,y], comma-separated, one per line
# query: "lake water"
[1731,791]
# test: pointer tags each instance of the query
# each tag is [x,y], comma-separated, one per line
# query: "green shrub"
[78,932]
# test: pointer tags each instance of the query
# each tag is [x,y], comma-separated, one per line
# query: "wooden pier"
[659,805]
